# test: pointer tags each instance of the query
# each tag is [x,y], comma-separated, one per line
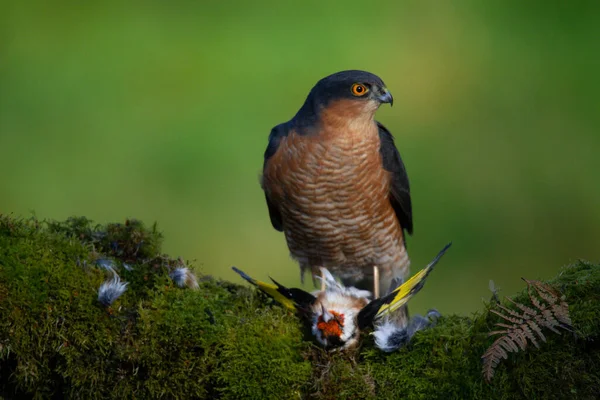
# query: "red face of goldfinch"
[332,313]
[335,312]
[330,323]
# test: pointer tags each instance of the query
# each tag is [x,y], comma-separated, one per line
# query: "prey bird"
[338,314]
[335,185]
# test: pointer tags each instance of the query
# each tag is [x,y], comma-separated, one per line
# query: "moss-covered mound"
[226,341]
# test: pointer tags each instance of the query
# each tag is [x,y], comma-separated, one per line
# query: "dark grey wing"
[400,188]
[275,136]
[274,214]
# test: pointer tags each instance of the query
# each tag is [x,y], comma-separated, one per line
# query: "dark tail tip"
[276,283]
[439,255]
[243,274]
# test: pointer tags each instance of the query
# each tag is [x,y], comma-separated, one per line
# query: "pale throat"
[364,125]
[351,125]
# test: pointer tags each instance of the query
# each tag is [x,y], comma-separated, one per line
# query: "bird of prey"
[338,314]
[336,186]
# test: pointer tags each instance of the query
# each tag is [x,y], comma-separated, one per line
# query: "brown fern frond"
[549,321]
[503,325]
[529,335]
[537,329]
[546,292]
[550,311]
[508,310]
[506,317]
[493,356]
[561,312]
[534,300]
[522,307]
[519,338]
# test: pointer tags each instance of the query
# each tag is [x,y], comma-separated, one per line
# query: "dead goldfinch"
[338,314]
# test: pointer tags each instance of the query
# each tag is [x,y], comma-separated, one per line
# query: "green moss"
[339,375]
[226,341]
[444,362]
[261,356]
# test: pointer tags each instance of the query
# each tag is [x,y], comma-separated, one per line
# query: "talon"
[375,282]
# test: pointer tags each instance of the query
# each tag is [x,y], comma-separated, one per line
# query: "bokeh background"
[161,111]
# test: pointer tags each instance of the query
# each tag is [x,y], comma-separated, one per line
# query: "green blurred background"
[161,111]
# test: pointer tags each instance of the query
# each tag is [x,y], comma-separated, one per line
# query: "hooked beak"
[386,97]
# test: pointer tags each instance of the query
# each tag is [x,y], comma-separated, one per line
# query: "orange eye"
[359,89]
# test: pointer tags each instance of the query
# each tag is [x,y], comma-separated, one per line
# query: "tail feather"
[292,299]
[411,287]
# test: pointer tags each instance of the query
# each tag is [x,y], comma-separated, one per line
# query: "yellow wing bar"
[411,287]
[291,299]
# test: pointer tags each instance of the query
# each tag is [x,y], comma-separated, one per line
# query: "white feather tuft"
[385,334]
[111,290]
[333,286]
[106,263]
[389,336]
[183,277]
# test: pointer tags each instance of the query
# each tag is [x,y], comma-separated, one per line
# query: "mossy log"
[224,340]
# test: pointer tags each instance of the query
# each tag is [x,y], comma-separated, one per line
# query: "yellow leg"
[322,281]
[375,282]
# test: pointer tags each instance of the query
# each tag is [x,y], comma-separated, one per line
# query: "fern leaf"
[529,334]
[549,310]
[536,328]
[503,325]
[534,300]
[508,344]
[549,321]
[491,358]
[511,312]
[518,337]
[522,307]
[506,317]
[546,292]
[561,312]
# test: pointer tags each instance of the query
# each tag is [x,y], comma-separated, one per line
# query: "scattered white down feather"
[389,337]
[183,277]
[106,263]
[114,287]
[111,290]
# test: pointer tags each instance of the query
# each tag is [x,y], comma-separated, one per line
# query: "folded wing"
[291,298]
